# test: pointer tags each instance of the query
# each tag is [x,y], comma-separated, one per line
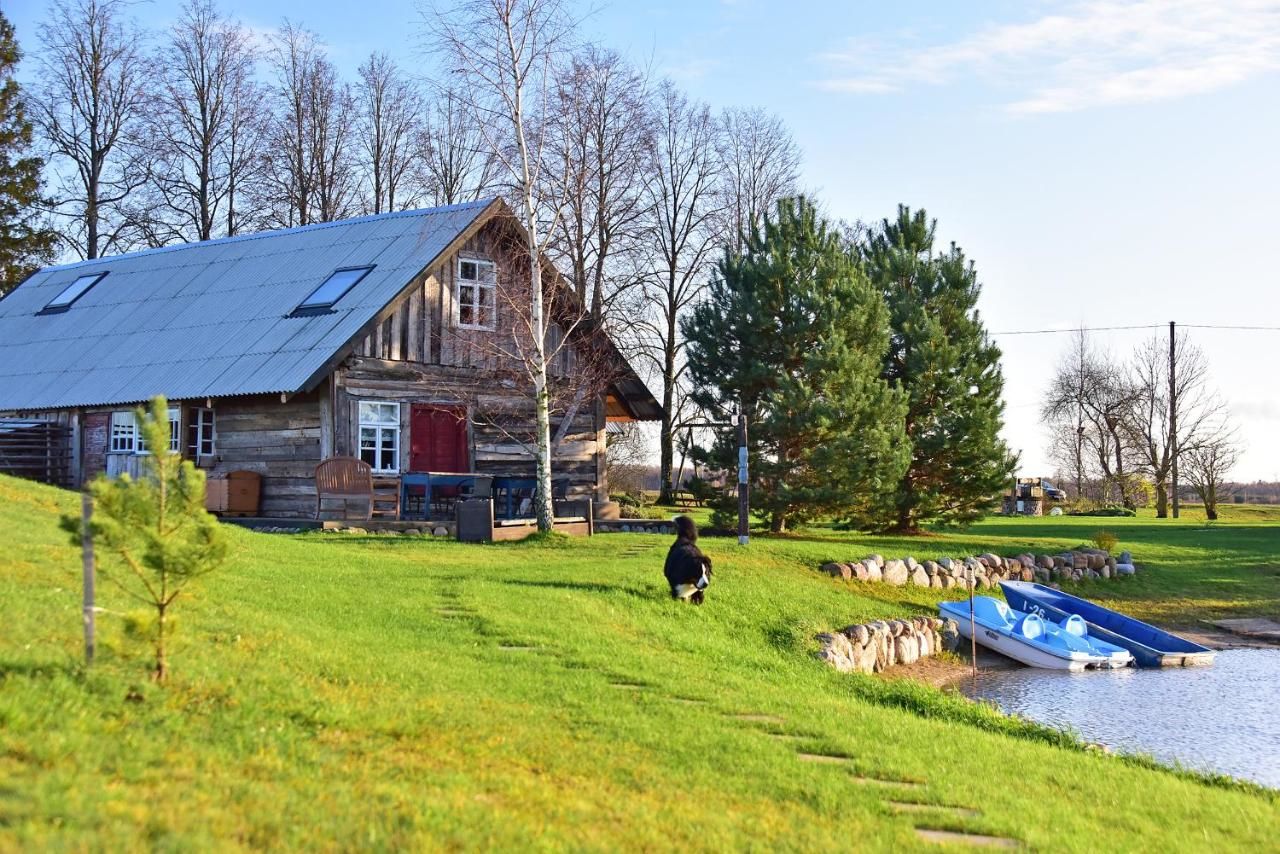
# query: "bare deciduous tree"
[1206,468]
[197,130]
[1087,406]
[505,52]
[456,161]
[761,165]
[600,138]
[311,174]
[683,204]
[1198,410]
[390,118]
[89,107]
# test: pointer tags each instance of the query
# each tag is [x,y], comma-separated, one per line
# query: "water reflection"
[1221,718]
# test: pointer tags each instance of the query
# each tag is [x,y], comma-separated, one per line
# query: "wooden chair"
[385,499]
[345,479]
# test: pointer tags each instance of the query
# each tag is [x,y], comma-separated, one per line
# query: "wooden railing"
[37,450]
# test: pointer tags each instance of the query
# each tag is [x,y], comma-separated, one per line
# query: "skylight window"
[331,290]
[71,293]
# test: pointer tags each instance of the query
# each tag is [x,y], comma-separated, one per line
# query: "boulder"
[879,559]
[1079,560]
[836,651]
[936,580]
[1045,562]
[925,640]
[1126,569]
[931,567]
[1028,574]
[919,577]
[874,573]
[1111,564]
[992,560]
[911,563]
[944,562]
[950,636]
[835,570]
[1105,572]
[859,571]
[864,658]
[947,581]
[857,635]
[1096,562]
[1027,561]
[1125,557]
[895,573]
[981,582]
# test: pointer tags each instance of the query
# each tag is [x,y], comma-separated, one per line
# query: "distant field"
[373,692]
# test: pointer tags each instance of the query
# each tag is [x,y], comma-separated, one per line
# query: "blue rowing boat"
[1151,647]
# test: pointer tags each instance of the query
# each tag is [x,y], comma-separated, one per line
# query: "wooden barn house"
[360,338]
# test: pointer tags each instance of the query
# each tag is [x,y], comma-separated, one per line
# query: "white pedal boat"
[1034,641]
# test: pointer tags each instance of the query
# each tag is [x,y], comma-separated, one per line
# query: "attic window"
[71,293]
[331,290]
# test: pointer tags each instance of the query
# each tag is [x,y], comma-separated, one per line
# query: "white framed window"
[124,433]
[200,432]
[380,435]
[126,438]
[474,294]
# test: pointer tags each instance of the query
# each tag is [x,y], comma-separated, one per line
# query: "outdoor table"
[431,481]
[509,484]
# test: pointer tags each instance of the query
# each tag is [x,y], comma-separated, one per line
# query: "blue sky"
[1104,163]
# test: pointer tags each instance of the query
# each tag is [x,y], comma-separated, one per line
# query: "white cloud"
[1089,54]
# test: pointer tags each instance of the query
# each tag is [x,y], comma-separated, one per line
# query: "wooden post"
[744,487]
[1173,413]
[86,556]
[973,635]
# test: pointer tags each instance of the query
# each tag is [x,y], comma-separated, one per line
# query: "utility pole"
[744,487]
[1173,412]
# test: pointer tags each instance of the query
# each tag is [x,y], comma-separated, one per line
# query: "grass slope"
[342,692]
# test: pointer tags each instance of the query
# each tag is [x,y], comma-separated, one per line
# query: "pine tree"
[940,356]
[24,245]
[793,332]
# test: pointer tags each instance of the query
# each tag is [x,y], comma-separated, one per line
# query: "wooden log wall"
[37,450]
[280,441]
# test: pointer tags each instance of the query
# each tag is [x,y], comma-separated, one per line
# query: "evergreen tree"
[793,332]
[24,245]
[939,355]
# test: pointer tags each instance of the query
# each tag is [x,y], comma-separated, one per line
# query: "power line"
[1143,326]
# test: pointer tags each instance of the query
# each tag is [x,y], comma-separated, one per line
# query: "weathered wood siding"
[280,441]
[501,426]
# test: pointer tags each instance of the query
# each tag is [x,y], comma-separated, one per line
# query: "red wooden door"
[438,439]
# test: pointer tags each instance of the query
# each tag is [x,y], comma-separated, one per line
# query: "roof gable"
[210,319]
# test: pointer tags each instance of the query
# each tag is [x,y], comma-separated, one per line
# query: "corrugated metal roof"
[209,319]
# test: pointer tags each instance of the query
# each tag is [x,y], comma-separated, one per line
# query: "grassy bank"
[334,691]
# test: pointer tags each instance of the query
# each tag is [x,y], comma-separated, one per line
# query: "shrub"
[1105,540]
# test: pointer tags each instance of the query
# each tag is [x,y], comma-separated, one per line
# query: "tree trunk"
[667,437]
[162,667]
[1162,500]
[778,523]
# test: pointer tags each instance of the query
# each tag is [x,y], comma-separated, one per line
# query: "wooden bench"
[345,479]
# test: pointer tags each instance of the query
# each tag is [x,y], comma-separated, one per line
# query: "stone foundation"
[875,646]
[986,570]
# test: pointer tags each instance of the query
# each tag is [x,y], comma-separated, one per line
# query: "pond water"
[1222,718]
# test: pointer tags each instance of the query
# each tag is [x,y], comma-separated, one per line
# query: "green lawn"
[339,692]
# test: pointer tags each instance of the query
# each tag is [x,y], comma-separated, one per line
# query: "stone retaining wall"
[635,526]
[987,570]
[875,646]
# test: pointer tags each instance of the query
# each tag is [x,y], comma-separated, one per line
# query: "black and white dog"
[688,570]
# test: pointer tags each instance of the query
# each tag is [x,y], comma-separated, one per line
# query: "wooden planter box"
[233,493]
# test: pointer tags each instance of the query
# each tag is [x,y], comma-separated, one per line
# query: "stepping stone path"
[761,719]
[956,836]
[515,647]
[915,806]
[628,686]
[824,758]
[689,701]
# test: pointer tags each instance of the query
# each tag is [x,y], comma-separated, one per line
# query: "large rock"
[895,573]
[936,581]
[1105,572]
[950,636]
[1097,562]
[906,650]
[857,634]
[1079,561]
[931,567]
[858,571]
[1028,561]
[947,581]
[1045,562]
[1028,574]
[946,563]
[919,577]
[837,652]
[836,570]
[911,563]
[879,559]
[992,560]
[1125,569]
[1125,557]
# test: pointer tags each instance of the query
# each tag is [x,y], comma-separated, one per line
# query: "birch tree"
[89,108]
[505,52]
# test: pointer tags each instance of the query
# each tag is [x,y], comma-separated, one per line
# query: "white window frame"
[196,414]
[386,432]
[480,286]
[132,437]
